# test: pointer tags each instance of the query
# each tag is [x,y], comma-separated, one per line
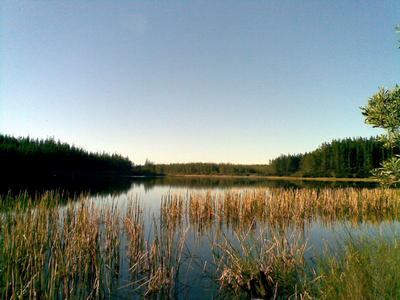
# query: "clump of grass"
[264,267]
[201,210]
[134,229]
[155,262]
[274,267]
[48,252]
[172,211]
[365,268]
[74,251]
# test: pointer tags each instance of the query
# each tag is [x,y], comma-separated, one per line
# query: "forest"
[346,158]
[27,156]
[350,158]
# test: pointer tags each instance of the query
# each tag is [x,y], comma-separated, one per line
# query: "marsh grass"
[74,251]
[49,249]
[262,265]
[172,211]
[272,266]
[155,262]
[49,252]
[365,267]
[280,207]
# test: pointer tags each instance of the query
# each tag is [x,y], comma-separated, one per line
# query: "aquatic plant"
[259,265]
[49,249]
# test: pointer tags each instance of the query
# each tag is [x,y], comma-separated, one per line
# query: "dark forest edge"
[26,157]
[346,158]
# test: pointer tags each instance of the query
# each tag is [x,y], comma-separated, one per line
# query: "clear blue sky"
[180,81]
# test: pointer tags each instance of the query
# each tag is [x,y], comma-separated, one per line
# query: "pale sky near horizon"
[183,81]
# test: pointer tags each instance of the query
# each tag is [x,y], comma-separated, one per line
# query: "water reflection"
[117,186]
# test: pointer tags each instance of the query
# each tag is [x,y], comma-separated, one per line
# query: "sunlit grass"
[258,265]
[74,250]
[365,268]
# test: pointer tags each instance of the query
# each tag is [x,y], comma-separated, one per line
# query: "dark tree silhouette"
[34,157]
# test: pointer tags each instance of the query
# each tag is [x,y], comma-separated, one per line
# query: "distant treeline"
[351,157]
[26,156]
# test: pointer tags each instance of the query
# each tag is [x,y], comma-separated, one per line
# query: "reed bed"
[201,210]
[49,252]
[172,211]
[262,265]
[155,262]
[76,250]
[281,207]
[267,265]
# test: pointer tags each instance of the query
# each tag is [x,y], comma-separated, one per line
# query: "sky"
[189,81]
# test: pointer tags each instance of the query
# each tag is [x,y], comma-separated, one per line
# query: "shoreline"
[285,178]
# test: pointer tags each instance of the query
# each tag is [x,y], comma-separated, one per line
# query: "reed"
[201,210]
[52,247]
[49,252]
[172,211]
[262,265]
[155,261]
[281,207]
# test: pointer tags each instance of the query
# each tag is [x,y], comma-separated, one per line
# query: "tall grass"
[155,262]
[280,207]
[74,250]
[365,268]
[275,267]
[262,266]
[49,252]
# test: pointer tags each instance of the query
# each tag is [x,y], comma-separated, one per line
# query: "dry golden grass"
[281,207]
[73,252]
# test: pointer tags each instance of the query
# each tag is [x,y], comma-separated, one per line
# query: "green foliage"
[366,268]
[383,111]
[389,173]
